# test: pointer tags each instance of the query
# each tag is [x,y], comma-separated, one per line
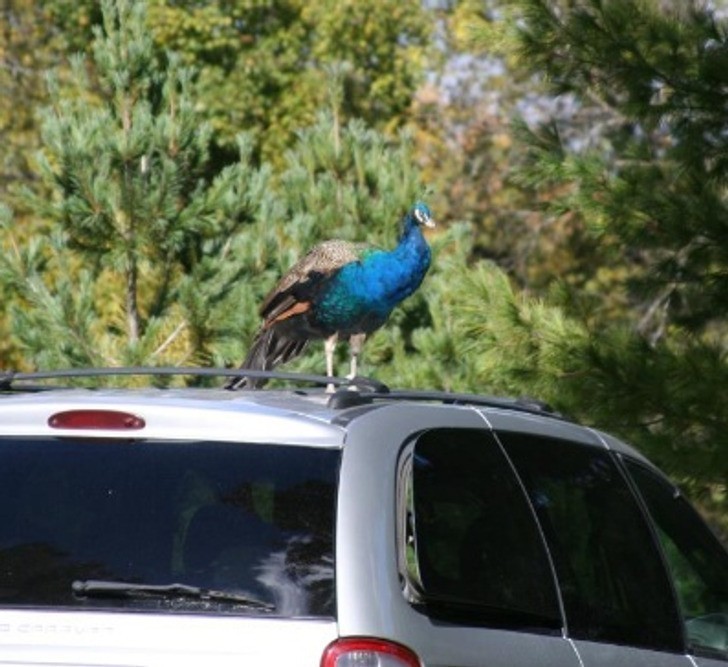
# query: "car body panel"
[177,415]
[157,640]
[616,445]
[523,422]
[371,434]
[595,654]
[368,465]
[701,661]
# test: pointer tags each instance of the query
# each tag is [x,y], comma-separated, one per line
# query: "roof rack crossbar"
[8,378]
[367,393]
[523,404]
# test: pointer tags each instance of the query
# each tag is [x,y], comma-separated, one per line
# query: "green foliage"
[133,219]
[261,67]
[637,160]
[266,66]
[151,254]
[606,376]
[654,185]
[337,181]
[470,152]
[134,245]
[27,49]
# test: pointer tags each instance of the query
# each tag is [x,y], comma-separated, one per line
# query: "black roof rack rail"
[345,398]
[9,379]
[350,393]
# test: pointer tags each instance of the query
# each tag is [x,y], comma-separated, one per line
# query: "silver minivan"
[364,528]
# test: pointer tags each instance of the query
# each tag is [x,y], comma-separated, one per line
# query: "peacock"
[339,290]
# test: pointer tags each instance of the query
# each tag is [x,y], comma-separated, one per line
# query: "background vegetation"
[164,162]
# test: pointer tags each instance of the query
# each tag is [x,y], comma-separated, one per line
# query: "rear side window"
[612,578]
[179,526]
[697,562]
[473,552]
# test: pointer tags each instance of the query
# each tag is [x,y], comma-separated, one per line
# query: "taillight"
[365,652]
[110,420]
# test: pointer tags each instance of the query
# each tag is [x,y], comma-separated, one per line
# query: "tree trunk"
[132,305]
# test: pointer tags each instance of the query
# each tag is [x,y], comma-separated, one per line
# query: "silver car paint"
[369,596]
[368,587]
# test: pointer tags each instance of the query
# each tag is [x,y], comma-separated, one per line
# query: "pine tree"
[646,174]
[134,266]
[265,65]
[151,258]
[346,181]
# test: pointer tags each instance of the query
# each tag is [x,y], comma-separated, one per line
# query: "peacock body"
[339,290]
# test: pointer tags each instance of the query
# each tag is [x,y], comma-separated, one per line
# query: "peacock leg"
[329,348]
[356,343]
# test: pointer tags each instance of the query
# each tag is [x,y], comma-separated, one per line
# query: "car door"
[619,604]
[438,548]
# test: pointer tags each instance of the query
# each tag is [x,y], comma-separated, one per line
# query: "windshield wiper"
[121,589]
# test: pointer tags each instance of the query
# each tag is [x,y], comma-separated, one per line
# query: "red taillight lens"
[365,652]
[110,420]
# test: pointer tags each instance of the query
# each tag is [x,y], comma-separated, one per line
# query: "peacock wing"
[296,288]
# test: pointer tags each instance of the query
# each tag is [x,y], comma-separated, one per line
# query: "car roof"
[305,414]
[209,414]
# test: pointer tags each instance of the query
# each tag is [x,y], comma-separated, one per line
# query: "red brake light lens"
[110,420]
[365,652]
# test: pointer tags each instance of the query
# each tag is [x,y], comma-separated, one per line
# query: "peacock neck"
[363,293]
[412,247]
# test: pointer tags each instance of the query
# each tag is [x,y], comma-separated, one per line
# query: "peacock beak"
[429,222]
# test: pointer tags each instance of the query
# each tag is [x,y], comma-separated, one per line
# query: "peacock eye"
[420,217]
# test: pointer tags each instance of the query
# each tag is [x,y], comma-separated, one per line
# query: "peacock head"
[421,215]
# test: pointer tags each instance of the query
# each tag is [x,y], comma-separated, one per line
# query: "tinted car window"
[476,554]
[254,520]
[697,561]
[612,578]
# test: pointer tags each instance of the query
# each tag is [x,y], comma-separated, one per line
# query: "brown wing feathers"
[276,342]
[299,283]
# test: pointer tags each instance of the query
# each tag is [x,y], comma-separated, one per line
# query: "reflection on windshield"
[299,576]
[251,520]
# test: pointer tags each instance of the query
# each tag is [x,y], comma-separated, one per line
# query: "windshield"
[249,526]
